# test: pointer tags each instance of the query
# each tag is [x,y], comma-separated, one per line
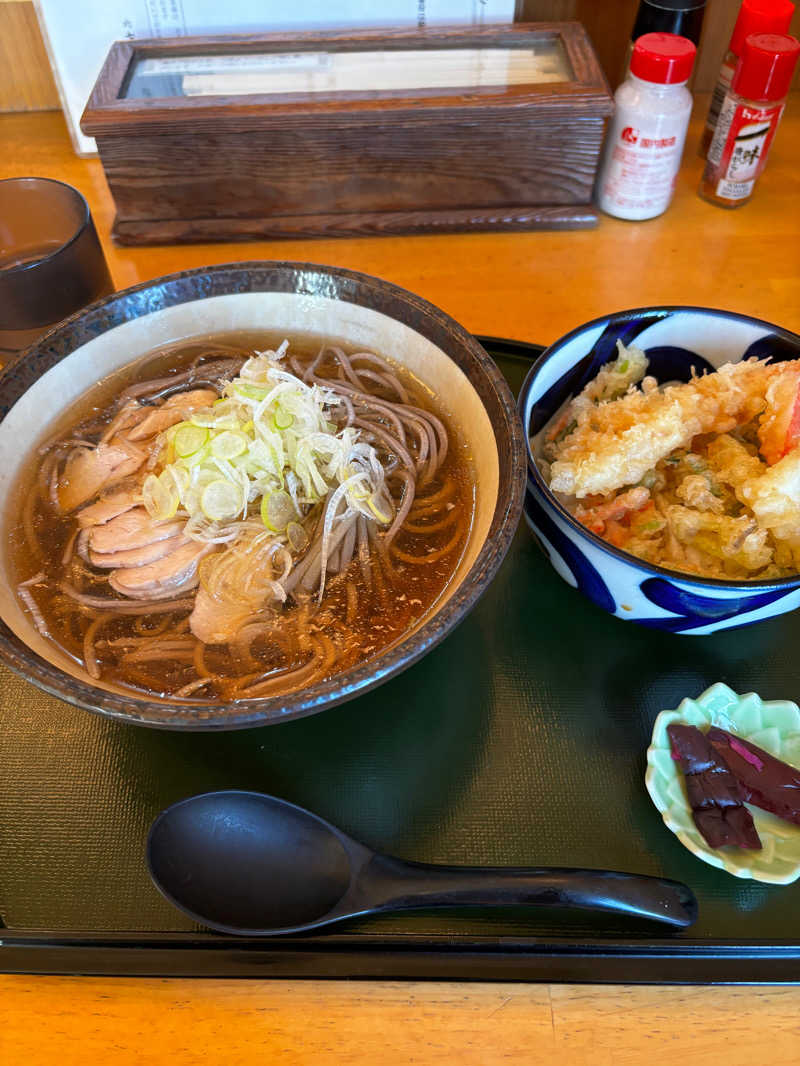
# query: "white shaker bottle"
[644,143]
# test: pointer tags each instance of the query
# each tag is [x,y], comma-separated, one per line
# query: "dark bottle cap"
[766,66]
[683,17]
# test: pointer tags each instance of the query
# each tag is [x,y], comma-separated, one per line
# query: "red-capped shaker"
[749,118]
[755,16]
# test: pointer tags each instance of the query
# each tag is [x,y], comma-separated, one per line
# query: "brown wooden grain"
[354,224]
[108,112]
[348,171]
[76,1021]
[307,164]
[543,10]
[609,28]
[26,81]
[536,287]
[607,22]
[532,286]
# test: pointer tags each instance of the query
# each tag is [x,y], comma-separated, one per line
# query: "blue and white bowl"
[675,339]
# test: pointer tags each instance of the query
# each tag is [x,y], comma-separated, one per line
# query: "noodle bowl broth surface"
[368,604]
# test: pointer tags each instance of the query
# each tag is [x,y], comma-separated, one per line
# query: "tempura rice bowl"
[675,339]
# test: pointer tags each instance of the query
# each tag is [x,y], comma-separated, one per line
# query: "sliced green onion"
[221,499]
[565,432]
[229,444]
[229,458]
[160,497]
[297,536]
[360,491]
[205,417]
[180,475]
[277,510]
[282,419]
[248,392]
[384,518]
[189,439]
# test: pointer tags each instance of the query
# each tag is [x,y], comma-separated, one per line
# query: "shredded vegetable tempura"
[702,477]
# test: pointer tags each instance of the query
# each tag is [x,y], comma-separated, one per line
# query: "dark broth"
[356,621]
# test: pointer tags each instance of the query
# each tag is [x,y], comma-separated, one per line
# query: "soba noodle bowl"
[244,524]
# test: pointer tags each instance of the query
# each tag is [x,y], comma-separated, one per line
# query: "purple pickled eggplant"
[715,797]
[765,781]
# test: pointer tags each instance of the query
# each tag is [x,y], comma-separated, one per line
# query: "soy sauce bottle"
[681,17]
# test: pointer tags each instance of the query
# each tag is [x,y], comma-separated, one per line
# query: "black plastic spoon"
[246,863]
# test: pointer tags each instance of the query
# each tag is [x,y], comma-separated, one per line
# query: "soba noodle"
[244,523]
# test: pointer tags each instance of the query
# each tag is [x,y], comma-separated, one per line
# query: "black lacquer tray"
[520,740]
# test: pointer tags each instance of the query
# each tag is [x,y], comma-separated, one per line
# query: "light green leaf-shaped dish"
[773,726]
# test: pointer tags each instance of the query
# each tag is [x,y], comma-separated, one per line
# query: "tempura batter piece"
[779,425]
[615,378]
[774,497]
[738,541]
[695,492]
[732,464]
[617,443]
[612,381]
[595,518]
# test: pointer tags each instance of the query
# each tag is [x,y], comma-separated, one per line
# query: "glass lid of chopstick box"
[372,70]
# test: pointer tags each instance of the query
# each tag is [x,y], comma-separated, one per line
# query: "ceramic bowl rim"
[349,684]
[734,585]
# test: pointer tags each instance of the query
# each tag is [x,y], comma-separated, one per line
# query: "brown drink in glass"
[51,262]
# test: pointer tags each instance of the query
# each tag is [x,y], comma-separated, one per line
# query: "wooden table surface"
[535,287]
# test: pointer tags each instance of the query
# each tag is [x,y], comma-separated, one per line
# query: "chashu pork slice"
[176,409]
[108,507]
[149,553]
[89,470]
[132,529]
[174,573]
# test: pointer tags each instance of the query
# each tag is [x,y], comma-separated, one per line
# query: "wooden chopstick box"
[380,132]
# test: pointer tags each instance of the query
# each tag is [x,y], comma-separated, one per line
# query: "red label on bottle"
[740,146]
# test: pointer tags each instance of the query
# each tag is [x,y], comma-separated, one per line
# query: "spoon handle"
[391,884]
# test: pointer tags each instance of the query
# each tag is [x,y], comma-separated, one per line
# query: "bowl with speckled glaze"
[45,381]
[678,341]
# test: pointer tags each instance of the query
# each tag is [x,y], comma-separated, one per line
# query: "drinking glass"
[51,262]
